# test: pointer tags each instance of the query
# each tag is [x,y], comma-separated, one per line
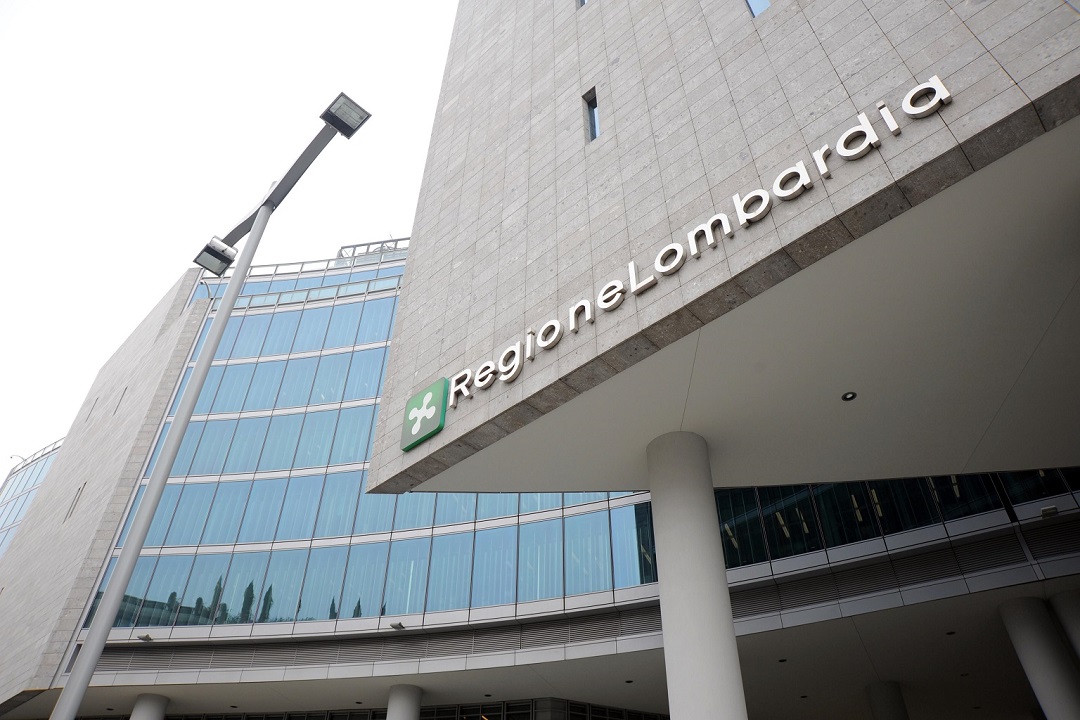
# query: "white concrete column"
[404,703]
[1046,659]
[149,707]
[886,701]
[704,678]
[1066,606]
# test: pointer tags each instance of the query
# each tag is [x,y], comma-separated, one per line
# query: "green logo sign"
[425,414]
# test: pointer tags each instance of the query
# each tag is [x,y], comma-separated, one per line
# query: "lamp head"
[345,116]
[216,257]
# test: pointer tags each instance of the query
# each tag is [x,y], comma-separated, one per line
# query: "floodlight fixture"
[216,257]
[345,115]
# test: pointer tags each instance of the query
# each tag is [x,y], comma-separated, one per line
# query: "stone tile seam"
[531,408]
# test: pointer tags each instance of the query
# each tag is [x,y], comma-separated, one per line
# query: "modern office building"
[823,464]
[19,488]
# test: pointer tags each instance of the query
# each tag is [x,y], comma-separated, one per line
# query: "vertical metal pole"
[71,697]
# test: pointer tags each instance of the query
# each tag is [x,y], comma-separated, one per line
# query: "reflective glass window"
[450,574]
[209,390]
[535,502]
[264,385]
[963,495]
[243,586]
[329,383]
[365,374]
[136,590]
[163,594]
[281,439]
[1072,477]
[338,506]
[343,324]
[249,340]
[453,508]
[740,527]
[790,527]
[130,516]
[494,566]
[540,554]
[414,510]
[493,505]
[360,275]
[352,441]
[180,391]
[202,339]
[281,590]
[375,513]
[406,576]
[392,271]
[263,509]
[233,388]
[101,591]
[283,284]
[321,597]
[903,504]
[157,450]
[308,282]
[364,578]
[226,513]
[313,449]
[845,512]
[191,512]
[633,548]
[203,589]
[232,329]
[247,445]
[255,288]
[296,385]
[583,497]
[279,337]
[214,444]
[312,330]
[155,536]
[1032,485]
[588,553]
[375,323]
[301,506]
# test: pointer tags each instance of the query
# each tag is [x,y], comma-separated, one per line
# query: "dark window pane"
[203,589]
[301,506]
[242,588]
[633,548]
[962,495]
[281,589]
[406,576]
[226,513]
[296,385]
[790,527]
[233,388]
[494,567]
[1031,485]
[210,457]
[279,337]
[249,340]
[493,505]
[845,512]
[312,330]
[338,505]
[1072,477]
[540,557]
[163,516]
[281,439]
[588,553]
[264,385]
[453,508]
[364,578]
[414,510]
[740,527]
[375,323]
[330,379]
[313,449]
[321,598]
[449,578]
[903,504]
[352,441]
[365,374]
[343,324]
[163,595]
[247,445]
[263,509]
[191,512]
[136,590]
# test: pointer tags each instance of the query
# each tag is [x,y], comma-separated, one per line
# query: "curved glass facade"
[265,518]
[19,489]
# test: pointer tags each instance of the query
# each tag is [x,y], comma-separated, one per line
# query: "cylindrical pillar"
[1046,659]
[886,701]
[700,656]
[149,707]
[1066,606]
[404,703]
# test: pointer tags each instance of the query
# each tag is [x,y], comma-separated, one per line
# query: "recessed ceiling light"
[234,706]
[629,682]
[951,632]
[359,702]
[487,694]
[782,660]
[109,709]
[803,697]
[849,396]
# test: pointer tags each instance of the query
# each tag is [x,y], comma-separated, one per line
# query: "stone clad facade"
[521,215]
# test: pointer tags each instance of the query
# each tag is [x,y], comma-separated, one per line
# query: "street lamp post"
[343,116]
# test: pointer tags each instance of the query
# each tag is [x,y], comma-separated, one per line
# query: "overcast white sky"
[133,131]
